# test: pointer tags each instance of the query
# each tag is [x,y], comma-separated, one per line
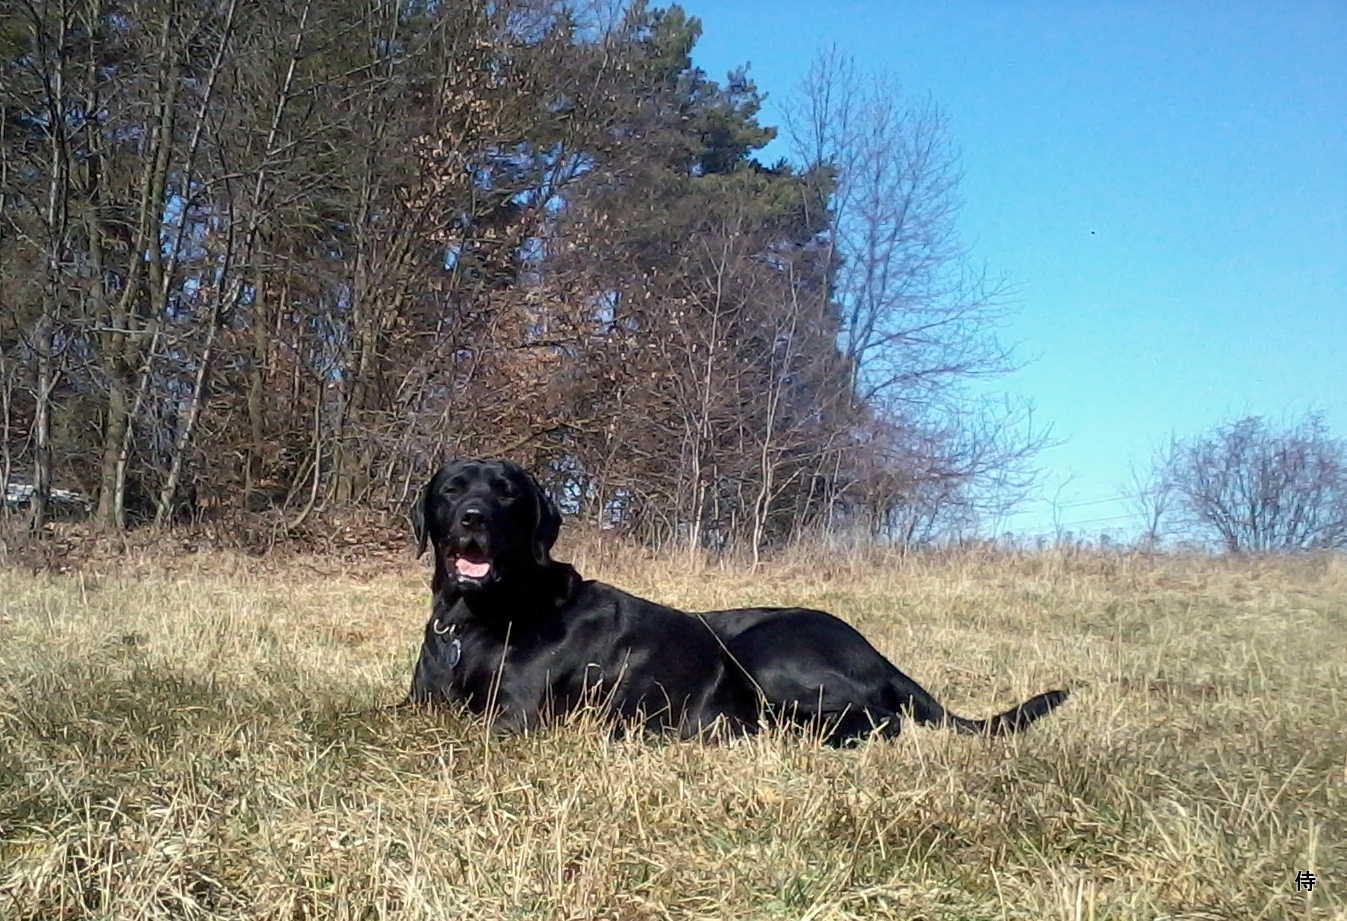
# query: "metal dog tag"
[455,652]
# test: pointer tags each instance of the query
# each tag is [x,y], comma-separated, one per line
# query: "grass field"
[203,740]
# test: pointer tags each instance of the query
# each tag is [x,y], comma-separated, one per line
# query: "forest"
[284,258]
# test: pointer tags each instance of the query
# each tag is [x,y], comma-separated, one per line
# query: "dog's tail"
[930,713]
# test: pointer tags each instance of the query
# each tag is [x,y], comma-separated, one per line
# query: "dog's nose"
[472,517]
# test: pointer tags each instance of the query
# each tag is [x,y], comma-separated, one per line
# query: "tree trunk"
[163,513]
[42,426]
[256,399]
[121,346]
[56,221]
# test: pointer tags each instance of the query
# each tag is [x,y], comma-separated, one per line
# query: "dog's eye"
[453,487]
[504,488]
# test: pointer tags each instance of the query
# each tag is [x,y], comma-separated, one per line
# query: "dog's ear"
[549,525]
[417,514]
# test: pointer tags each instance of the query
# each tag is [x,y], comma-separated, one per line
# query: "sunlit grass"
[214,742]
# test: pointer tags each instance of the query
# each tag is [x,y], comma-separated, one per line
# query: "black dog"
[518,634]
[815,670]
[521,637]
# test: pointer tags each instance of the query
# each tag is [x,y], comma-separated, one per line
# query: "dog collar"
[455,645]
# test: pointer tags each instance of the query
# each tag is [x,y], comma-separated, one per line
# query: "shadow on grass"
[91,731]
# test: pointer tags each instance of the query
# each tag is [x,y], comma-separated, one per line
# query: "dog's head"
[488,520]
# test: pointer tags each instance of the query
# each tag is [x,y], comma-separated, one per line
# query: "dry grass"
[207,743]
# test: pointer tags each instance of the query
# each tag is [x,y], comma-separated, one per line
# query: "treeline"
[287,256]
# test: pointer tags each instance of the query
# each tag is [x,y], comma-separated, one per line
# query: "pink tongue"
[472,570]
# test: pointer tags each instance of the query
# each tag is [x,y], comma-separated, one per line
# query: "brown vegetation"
[1250,486]
[287,257]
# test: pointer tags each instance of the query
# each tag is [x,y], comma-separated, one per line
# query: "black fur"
[816,670]
[515,634]
[529,639]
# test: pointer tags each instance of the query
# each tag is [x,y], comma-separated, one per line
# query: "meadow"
[207,736]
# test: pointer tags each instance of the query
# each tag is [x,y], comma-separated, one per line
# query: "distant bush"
[1253,486]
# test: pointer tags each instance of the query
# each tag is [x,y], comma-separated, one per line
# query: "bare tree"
[1252,486]
[917,320]
[916,317]
[1152,497]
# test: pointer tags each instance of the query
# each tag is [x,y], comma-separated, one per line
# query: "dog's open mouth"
[472,565]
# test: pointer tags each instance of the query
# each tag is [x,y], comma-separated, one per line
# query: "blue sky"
[1203,143]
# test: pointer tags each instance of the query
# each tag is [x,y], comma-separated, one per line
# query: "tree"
[285,257]
[1252,486]
[690,293]
[916,319]
[1151,496]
